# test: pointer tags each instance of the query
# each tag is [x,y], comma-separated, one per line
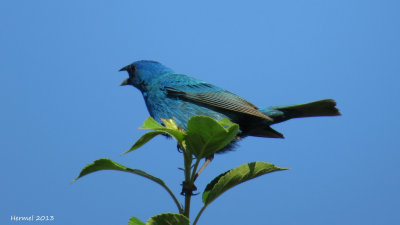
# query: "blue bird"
[177,96]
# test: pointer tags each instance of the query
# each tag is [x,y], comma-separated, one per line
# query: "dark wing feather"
[206,94]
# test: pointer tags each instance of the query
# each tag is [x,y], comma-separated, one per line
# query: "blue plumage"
[179,97]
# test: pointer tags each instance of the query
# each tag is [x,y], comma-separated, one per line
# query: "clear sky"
[62,107]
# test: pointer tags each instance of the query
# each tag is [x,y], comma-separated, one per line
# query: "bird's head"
[143,73]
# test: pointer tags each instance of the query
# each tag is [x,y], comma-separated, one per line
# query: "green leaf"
[108,164]
[170,124]
[226,122]
[205,136]
[171,129]
[150,123]
[175,134]
[236,176]
[135,221]
[144,139]
[168,219]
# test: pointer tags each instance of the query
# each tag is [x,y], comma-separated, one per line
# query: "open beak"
[125,82]
[125,68]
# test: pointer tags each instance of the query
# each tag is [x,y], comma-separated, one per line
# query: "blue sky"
[62,107]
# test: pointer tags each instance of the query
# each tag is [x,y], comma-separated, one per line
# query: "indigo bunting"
[177,96]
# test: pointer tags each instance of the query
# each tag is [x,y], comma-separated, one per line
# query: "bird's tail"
[324,107]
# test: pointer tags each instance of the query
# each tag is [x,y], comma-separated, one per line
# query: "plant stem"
[174,198]
[187,184]
[187,157]
[188,196]
[194,172]
[199,214]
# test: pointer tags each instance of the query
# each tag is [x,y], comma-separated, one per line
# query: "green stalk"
[174,198]
[199,214]
[187,205]
[194,172]
[188,194]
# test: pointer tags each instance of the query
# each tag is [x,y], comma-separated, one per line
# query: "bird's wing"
[213,96]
